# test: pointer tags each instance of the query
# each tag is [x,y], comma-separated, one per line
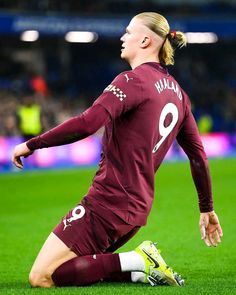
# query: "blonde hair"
[158,24]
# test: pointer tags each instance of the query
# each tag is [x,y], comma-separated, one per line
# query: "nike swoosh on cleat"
[155,262]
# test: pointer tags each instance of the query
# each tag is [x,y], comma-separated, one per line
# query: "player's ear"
[145,41]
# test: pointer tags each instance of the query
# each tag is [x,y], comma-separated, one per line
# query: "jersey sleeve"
[72,130]
[189,139]
[123,94]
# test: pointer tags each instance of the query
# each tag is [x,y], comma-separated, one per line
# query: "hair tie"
[173,34]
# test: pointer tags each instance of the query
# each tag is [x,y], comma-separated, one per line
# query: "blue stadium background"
[65,78]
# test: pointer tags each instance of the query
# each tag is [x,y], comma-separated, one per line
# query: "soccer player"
[143,110]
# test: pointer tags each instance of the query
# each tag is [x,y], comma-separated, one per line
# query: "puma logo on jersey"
[128,78]
[66,224]
[116,91]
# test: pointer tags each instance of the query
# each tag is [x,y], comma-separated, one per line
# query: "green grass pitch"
[33,203]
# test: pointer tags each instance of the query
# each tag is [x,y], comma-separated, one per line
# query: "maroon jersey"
[143,111]
[148,110]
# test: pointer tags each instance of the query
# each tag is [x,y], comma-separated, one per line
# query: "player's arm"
[189,139]
[70,131]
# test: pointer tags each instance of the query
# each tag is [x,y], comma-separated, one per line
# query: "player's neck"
[141,60]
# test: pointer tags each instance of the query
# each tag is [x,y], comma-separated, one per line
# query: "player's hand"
[21,150]
[210,229]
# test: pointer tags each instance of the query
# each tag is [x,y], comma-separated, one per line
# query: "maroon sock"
[86,270]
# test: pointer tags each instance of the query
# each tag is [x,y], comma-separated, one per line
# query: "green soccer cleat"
[156,270]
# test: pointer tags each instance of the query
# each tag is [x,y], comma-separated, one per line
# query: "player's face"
[132,39]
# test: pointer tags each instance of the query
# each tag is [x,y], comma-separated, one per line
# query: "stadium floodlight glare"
[81,37]
[203,37]
[29,36]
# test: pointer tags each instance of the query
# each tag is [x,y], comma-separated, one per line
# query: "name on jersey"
[163,84]
[116,91]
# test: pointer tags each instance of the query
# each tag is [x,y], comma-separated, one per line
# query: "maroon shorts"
[85,232]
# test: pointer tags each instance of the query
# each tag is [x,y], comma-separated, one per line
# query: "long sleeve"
[189,139]
[73,129]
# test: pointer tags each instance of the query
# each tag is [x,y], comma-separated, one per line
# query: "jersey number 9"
[164,131]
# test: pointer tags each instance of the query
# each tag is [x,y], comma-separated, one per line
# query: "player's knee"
[40,280]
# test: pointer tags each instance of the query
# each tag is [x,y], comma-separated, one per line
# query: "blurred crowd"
[206,74]
[49,81]
[31,113]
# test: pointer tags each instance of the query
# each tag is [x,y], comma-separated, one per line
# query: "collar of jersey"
[158,67]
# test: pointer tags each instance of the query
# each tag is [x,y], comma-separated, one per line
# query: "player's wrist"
[30,144]
[208,212]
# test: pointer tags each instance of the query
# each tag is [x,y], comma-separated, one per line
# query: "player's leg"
[86,270]
[74,236]
[82,233]
[101,235]
[53,253]
[58,248]
[144,264]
